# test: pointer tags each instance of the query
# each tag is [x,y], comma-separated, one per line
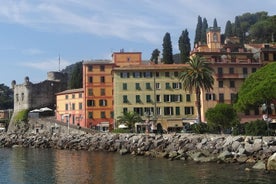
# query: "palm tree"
[197,76]
[129,119]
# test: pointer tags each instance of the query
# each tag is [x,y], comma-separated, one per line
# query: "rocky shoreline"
[260,151]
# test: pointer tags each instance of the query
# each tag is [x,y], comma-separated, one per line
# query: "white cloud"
[49,65]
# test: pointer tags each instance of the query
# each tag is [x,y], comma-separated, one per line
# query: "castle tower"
[213,38]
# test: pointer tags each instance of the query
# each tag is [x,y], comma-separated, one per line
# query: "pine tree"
[215,24]
[155,56]
[184,46]
[198,30]
[167,49]
[203,31]
[228,29]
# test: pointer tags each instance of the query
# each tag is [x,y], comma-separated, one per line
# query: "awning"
[122,126]
[103,124]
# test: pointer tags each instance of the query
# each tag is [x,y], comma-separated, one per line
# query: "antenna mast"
[59,62]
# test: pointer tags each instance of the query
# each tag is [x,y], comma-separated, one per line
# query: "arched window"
[215,37]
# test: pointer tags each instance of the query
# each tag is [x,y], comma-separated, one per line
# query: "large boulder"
[271,163]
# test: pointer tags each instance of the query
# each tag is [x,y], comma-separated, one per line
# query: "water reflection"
[34,166]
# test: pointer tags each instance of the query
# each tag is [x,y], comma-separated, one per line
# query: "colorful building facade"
[154,92]
[232,64]
[70,107]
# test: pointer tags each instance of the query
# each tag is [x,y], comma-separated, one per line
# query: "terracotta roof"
[69,91]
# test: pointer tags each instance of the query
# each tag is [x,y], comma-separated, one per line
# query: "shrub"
[121,130]
[200,128]
[21,116]
[256,128]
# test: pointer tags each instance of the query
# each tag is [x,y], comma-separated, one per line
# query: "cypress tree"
[198,30]
[228,29]
[167,49]
[203,31]
[184,46]
[155,55]
[215,24]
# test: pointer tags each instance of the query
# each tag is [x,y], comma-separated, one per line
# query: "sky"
[38,36]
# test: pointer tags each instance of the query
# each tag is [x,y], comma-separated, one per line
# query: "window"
[244,71]
[157,85]
[80,95]
[138,99]
[66,96]
[124,110]
[66,107]
[221,97]
[220,72]
[90,79]
[177,110]
[125,100]
[147,74]
[232,84]
[158,111]
[148,86]
[102,79]
[254,70]
[266,57]
[102,68]
[102,91]
[90,68]
[177,98]
[233,97]
[220,84]
[148,111]
[157,74]
[168,85]
[158,99]
[90,115]
[137,75]
[124,86]
[175,74]
[103,114]
[167,74]
[73,106]
[215,37]
[188,110]
[167,98]
[137,86]
[148,99]
[73,96]
[138,110]
[231,70]
[177,85]
[103,102]
[90,103]
[124,75]
[210,96]
[90,92]
[80,106]
[111,114]
[188,97]
[168,111]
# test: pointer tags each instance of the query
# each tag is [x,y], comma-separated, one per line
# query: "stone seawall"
[199,148]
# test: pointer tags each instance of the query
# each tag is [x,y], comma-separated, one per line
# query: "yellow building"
[154,92]
[70,108]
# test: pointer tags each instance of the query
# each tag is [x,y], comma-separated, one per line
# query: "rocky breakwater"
[260,151]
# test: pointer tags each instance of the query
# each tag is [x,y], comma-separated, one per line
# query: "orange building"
[98,89]
[232,64]
[70,108]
